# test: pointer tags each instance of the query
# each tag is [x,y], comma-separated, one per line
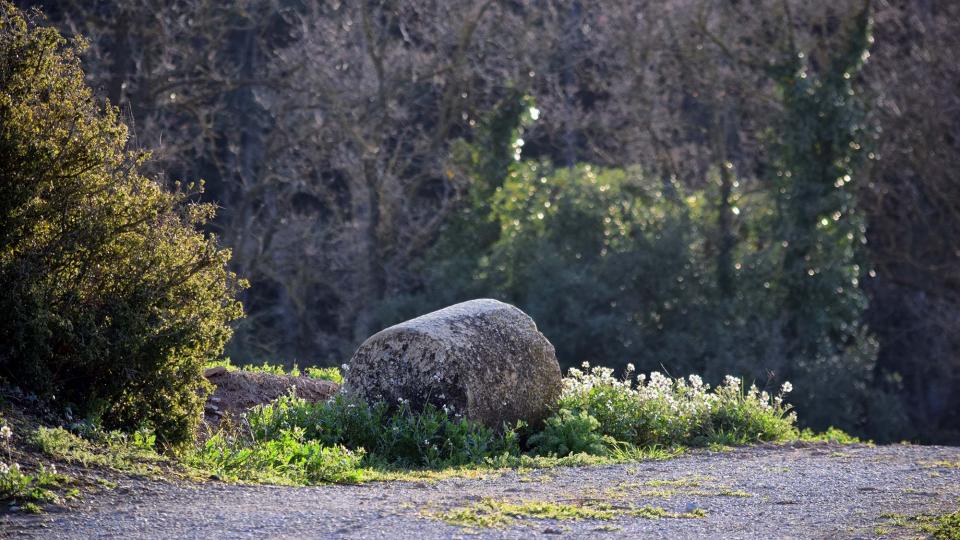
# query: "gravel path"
[813,491]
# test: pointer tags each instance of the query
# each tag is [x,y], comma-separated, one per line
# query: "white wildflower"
[6,432]
[631,368]
[4,469]
[786,388]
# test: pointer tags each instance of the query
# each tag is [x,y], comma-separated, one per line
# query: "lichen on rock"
[483,358]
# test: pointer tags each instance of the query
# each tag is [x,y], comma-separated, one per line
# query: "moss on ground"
[690,486]
[936,526]
[494,513]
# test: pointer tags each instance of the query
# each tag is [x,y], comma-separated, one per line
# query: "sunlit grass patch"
[689,482]
[936,526]
[940,464]
[133,453]
[691,486]
[831,435]
[325,373]
[494,513]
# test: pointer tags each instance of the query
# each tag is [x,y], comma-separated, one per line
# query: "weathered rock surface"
[484,358]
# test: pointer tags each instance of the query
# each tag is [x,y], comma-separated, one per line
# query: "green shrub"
[394,436]
[570,432]
[286,456]
[660,411]
[113,301]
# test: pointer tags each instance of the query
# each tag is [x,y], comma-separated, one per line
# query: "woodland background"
[692,186]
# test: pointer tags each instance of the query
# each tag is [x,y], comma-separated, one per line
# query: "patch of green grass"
[694,486]
[273,369]
[431,476]
[831,435]
[324,373]
[939,527]
[133,453]
[942,464]
[734,493]
[493,513]
[222,362]
[947,527]
[688,482]
[287,458]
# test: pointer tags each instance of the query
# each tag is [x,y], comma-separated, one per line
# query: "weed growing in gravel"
[493,513]
[947,527]
[939,527]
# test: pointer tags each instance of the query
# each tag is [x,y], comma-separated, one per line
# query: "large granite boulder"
[484,359]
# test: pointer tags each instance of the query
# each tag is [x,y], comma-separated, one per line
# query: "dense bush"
[112,299]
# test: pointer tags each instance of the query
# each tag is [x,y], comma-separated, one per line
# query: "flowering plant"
[659,410]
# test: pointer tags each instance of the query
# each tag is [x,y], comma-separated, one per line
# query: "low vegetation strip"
[599,419]
[345,439]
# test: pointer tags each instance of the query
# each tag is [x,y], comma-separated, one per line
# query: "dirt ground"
[799,491]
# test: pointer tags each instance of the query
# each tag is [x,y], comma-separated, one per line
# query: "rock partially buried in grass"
[484,359]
